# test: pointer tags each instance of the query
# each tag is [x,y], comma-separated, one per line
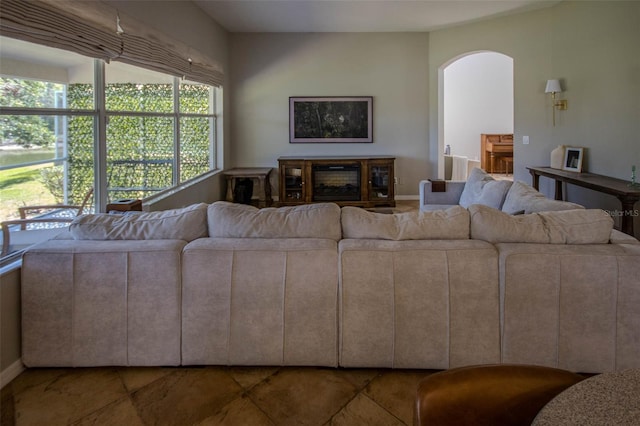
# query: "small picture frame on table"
[573,159]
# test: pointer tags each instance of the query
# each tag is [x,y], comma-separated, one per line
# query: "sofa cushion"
[450,224]
[436,207]
[186,224]
[618,237]
[229,220]
[481,188]
[524,198]
[580,226]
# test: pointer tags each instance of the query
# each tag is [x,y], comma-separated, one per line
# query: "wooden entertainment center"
[347,181]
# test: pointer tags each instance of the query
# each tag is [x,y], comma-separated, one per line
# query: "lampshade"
[553,86]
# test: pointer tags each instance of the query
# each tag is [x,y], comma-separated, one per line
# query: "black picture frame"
[338,119]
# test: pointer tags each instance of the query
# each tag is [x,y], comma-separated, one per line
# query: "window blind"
[90,28]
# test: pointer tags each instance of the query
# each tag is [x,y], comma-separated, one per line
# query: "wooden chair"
[16,235]
[23,237]
[508,163]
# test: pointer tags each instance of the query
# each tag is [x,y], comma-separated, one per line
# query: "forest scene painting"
[336,119]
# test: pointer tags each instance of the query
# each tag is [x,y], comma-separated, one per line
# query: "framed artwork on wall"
[573,159]
[339,119]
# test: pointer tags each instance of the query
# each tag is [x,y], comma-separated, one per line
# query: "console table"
[628,195]
[260,174]
[130,205]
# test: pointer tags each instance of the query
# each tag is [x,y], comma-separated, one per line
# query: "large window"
[160,131]
[70,123]
[35,120]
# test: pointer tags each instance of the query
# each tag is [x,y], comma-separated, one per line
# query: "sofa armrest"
[450,197]
[618,237]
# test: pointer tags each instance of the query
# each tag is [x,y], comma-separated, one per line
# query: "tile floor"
[211,396]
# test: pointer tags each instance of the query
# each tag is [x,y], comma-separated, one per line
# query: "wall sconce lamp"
[553,87]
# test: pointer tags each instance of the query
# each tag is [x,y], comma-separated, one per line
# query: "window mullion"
[57,112]
[176,131]
[100,139]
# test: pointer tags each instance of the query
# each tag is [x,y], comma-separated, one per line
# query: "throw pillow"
[482,188]
[229,220]
[188,224]
[523,197]
[450,224]
[580,226]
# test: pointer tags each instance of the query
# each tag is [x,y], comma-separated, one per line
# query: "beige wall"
[204,190]
[593,47]
[182,21]
[269,68]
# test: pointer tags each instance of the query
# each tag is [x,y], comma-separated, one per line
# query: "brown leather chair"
[491,395]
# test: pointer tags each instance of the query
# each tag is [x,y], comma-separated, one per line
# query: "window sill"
[11,262]
[163,195]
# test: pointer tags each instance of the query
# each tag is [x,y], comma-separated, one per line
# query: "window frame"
[101,116]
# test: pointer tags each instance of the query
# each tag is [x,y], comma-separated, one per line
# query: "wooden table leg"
[230,181]
[262,196]
[535,180]
[536,184]
[628,214]
[267,192]
[558,194]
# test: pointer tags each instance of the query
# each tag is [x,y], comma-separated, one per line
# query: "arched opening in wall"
[475,99]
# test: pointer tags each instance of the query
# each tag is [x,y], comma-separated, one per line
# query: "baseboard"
[10,373]
[407,197]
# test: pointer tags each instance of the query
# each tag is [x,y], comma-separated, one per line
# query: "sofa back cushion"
[228,220]
[450,224]
[188,224]
[482,188]
[580,226]
[523,198]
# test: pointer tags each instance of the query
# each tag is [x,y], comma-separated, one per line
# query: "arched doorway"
[475,97]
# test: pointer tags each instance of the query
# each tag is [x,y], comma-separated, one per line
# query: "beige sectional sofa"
[318,285]
[88,303]
[262,289]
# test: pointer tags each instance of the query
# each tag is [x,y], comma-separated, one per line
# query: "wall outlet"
[525,140]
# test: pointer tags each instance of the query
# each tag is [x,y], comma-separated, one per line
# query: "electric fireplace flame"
[336,183]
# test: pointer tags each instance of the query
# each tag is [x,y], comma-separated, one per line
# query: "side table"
[606,399]
[259,174]
[128,205]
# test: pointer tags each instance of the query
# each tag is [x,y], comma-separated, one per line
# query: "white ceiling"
[357,15]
